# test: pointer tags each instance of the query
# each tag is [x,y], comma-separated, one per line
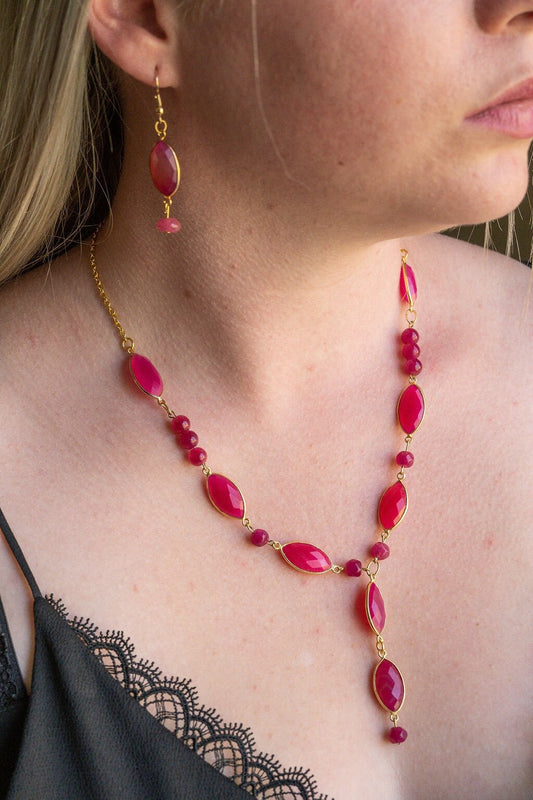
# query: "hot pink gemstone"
[388,685]
[259,537]
[353,568]
[145,375]
[168,225]
[164,168]
[375,608]
[413,367]
[225,496]
[405,459]
[392,505]
[397,735]
[409,336]
[411,408]
[410,351]
[380,550]
[197,456]
[411,282]
[180,423]
[188,439]
[305,557]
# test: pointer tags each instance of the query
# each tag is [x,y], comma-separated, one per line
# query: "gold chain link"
[127,342]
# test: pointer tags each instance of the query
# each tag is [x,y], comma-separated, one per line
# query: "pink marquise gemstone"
[225,496]
[145,375]
[375,608]
[411,282]
[411,408]
[164,168]
[168,225]
[392,505]
[305,557]
[389,686]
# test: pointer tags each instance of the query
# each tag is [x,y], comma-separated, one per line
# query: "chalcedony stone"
[411,408]
[411,282]
[168,225]
[375,608]
[388,685]
[305,557]
[164,169]
[392,506]
[225,496]
[145,375]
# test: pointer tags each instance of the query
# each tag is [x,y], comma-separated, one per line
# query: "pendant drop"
[388,686]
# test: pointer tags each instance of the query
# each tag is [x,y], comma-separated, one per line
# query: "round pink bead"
[353,568]
[397,735]
[168,225]
[197,456]
[405,458]
[410,351]
[413,366]
[180,424]
[380,550]
[259,537]
[409,336]
[188,440]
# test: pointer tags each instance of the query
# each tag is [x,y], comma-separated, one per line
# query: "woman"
[316,142]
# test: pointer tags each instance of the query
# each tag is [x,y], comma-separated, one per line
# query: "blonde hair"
[54,104]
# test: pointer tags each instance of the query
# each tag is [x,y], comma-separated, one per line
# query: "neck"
[258,291]
[263,312]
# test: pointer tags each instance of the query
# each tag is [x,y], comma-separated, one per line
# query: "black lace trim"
[9,689]
[229,748]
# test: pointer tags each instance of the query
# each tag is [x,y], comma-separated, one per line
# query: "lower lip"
[513,119]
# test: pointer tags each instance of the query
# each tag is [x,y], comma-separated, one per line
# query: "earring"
[164,167]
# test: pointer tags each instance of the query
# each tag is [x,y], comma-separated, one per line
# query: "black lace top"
[102,724]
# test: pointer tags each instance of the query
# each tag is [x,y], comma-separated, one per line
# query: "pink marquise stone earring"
[164,172]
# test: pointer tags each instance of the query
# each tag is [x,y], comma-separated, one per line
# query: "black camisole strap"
[19,555]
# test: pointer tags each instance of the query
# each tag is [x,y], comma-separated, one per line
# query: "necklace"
[387,680]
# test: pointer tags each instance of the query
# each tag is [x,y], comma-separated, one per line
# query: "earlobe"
[139,36]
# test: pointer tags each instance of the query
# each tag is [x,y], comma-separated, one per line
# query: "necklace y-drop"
[227,498]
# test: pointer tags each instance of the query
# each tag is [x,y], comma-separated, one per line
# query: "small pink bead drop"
[197,456]
[405,459]
[168,225]
[397,735]
[259,537]
[187,440]
[180,424]
[380,550]
[409,336]
[353,568]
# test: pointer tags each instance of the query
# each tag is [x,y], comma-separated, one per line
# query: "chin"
[497,190]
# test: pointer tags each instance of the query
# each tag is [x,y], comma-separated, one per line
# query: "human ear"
[139,36]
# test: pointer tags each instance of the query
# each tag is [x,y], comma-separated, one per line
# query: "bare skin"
[282,350]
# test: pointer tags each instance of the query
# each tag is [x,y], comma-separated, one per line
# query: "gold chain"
[127,342]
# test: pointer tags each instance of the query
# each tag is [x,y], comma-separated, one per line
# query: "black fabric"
[84,738]
[13,704]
